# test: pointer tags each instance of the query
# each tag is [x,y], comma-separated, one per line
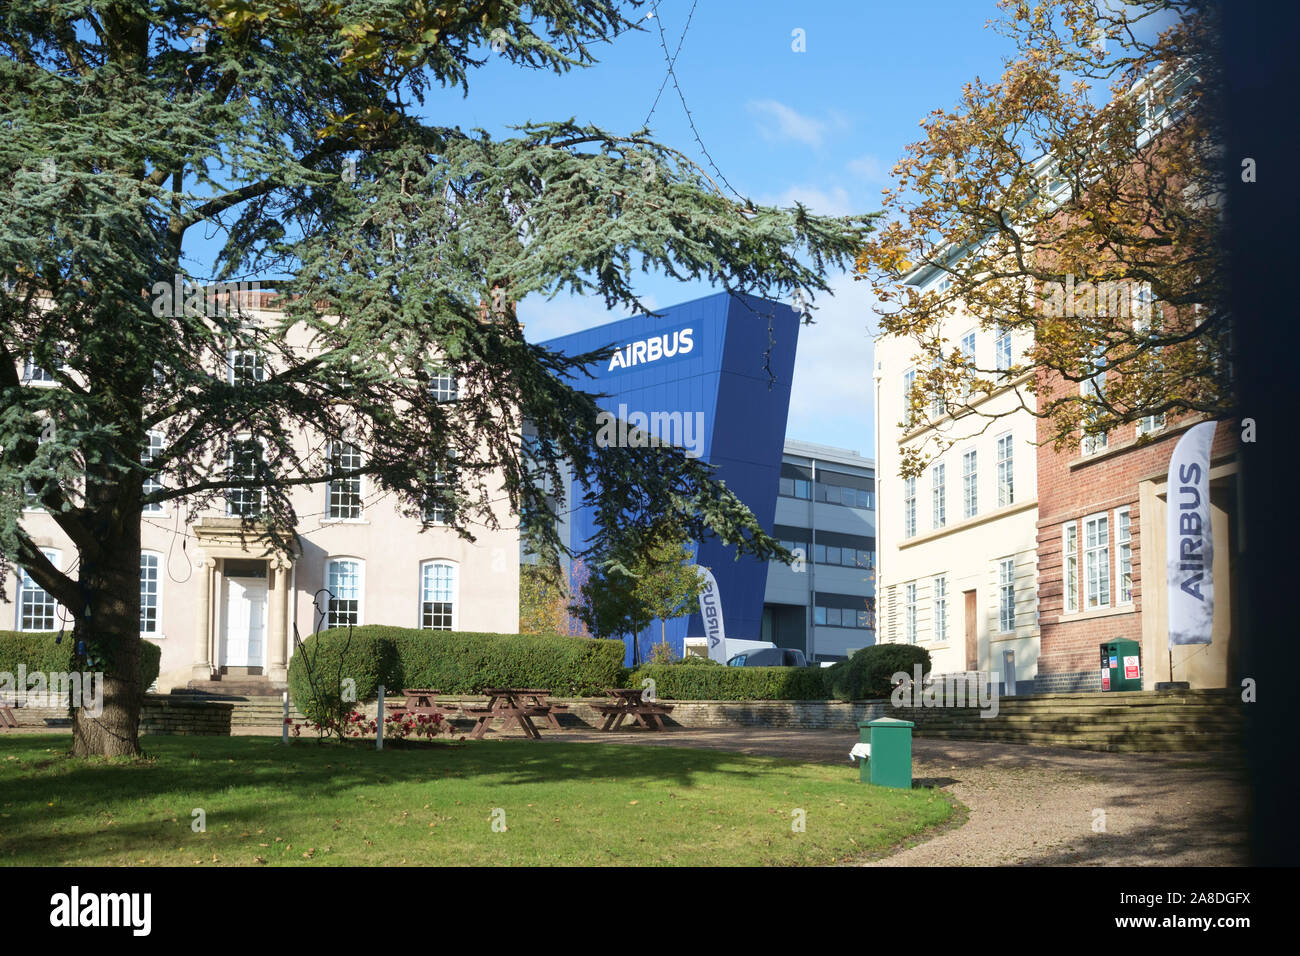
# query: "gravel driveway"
[1034,806]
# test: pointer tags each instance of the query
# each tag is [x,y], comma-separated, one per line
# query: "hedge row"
[868,675]
[453,662]
[42,651]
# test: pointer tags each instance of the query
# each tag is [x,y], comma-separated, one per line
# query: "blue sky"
[823,127]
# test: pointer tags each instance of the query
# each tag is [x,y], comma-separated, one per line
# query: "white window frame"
[1007,595]
[940,599]
[909,385]
[245,439]
[968,353]
[909,507]
[1150,423]
[360,598]
[152,483]
[1070,565]
[455,594]
[938,495]
[1096,558]
[359,479]
[156,633]
[258,364]
[437,386]
[909,612]
[1096,385]
[1003,351]
[444,475]
[1006,470]
[970,492]
[1123,554]
[55,558]
[30,368]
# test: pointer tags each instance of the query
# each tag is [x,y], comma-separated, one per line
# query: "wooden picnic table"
[7,718]
[513,705]
[421,700]
[627,702]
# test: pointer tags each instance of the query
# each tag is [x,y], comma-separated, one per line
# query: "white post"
[284,724]
[379,722]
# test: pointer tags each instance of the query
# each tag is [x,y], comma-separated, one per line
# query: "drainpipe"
[812,566]
[875,473]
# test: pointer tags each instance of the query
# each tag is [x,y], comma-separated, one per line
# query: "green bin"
[1121,665]
[890,764]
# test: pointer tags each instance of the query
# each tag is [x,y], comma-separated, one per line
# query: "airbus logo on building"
[653,349]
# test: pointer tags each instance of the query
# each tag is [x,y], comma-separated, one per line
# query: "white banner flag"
[711,612]
[1189,543]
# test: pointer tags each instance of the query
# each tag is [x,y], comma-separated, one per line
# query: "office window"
[941,609]
[150,564]
[819,616]
[439,505]
[37,609]
[968,356]
[1096,561]
[152,449]
[909,613]
[1150,423]
[246,367]
[33,372]
[909,507]
[343,579]
[969,493]
[1006,472]
[938,495]
[1095,388]
[1124,546]
[343,495]
[909,383]
[1002,350]
[938,404]
[244,462]
[442,386]
[1007,595]
[1070,565]
[437,596]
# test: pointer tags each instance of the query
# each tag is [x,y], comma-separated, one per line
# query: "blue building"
[714,376]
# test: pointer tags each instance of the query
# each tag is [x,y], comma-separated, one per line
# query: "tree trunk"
[107,641]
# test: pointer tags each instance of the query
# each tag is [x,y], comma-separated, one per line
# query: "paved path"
[1034,805]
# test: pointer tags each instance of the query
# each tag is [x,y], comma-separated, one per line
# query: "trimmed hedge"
[454,662]
[867,675]
[39,651]
[674,682]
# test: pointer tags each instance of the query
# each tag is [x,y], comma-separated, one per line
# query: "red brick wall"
[1065,494]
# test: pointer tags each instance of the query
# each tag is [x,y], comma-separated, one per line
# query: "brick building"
[1101,553]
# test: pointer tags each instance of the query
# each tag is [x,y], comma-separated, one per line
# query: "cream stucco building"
[223,603]
[958,544]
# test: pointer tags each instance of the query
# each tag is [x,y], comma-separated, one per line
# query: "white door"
[245,643]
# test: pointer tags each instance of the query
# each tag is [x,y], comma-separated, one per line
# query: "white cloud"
[869,168]
[832,202]
[780,122]
[832,398]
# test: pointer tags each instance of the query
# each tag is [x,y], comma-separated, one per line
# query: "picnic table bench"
[514,705]
[626,702]
[421,700]
[7,718]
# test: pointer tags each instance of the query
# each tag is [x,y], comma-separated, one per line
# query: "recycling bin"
[1121,665]
[890,764]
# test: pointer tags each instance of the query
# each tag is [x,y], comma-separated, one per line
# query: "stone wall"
[163,714]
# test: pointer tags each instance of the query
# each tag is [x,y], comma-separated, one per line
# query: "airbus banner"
[711,613]
[1189,542]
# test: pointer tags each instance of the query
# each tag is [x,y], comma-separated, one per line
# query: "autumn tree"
[304,135]
[1078,197]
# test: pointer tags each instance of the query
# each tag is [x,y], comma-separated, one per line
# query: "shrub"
[677,682]
[42,651]
[453,662]
[868,674]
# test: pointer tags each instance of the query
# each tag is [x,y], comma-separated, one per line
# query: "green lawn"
[563,803]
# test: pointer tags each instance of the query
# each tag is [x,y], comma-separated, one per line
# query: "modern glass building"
[718,369]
